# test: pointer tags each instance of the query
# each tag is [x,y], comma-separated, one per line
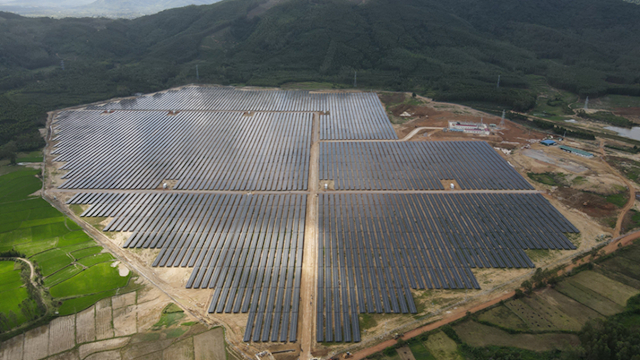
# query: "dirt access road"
[630,186]
[310,254]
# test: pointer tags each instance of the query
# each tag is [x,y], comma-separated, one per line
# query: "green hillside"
[453,50]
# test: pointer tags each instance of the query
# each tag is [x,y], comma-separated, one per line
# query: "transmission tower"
[62,64]
[197,74]
[586,103]
[498,84]
[355,79]
[502,120]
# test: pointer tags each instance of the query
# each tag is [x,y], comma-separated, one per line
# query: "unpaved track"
[309,267]
[407,137]
[33,272]
[632,192]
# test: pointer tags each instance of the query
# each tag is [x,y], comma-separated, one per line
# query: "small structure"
[469,128]
[547,142]
[576,151]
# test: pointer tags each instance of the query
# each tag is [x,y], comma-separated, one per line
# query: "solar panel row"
[350,116]
[375,248]
[416,166]
[198,150]
[247,248]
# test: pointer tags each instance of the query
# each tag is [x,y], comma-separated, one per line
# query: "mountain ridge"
[451,51]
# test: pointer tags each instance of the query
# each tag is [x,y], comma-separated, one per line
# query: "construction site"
[294,218]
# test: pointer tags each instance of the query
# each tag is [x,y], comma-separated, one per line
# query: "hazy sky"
[48,3]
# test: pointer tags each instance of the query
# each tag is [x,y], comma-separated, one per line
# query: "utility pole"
[355,79]
[197,74]
[586,103]
[62,64]
[498,84]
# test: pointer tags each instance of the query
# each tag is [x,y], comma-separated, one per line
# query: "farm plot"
[417,166]
[615,291]
[346,116]
[42,234]
[535,321]
[96,279]
[589,298]
[503,317]
[479,335]
[193,150]
[246,247]
[376,248]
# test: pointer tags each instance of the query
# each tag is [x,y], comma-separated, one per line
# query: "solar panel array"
[247,248]
[474,165]
[351,116]
[200,150]
[375,248]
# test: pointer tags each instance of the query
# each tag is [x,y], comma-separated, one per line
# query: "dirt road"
[407,137]
[630,186]
[309,267]
[413,333]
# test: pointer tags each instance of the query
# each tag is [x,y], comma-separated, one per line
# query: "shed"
[576,151]
[547,142]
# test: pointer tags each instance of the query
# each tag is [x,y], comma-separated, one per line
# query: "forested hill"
[452,50]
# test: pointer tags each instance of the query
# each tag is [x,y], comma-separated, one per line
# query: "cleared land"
[246,248]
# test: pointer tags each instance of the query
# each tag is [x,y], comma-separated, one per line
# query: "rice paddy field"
[75,271]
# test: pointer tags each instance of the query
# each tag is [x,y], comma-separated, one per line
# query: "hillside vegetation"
[452,50]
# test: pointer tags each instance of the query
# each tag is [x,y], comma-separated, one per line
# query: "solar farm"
[231,186]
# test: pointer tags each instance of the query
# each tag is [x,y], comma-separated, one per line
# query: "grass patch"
[33,248]
[442,347]
[617,292]
[171,315]
[419,351]
[619,199]
[606,117]
[588,298]
[34,156]
[551,179]
[79,254]
[175,333]
[96,279]
[478,335]
[52,261]
[72,306]
[503,317]
[367,321]
[96,259]
[62,275]
[9,277]
[10,300]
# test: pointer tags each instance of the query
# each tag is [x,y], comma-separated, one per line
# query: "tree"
[4,323]
[528,287]
[9,151]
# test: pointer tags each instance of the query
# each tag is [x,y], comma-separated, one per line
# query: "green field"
[503,317]
[96,279]
[68,260]
[479,335]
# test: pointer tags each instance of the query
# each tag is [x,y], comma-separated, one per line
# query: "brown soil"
[591,204]
[434,114]
[627,111]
